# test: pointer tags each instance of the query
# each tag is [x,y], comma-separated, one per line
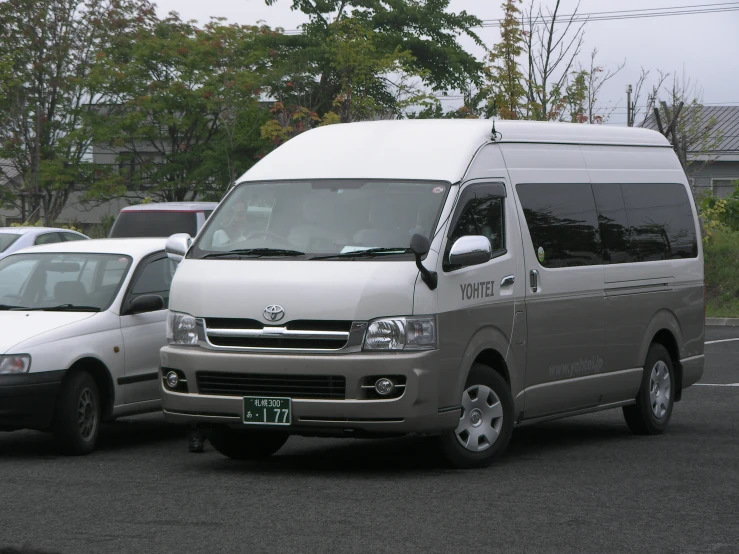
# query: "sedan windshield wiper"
[255,252]
[369,253]
[9,307]
[61,308]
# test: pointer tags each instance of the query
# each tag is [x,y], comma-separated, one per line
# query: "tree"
[551,54]
[183,115]
[504,75]
[47,49]
[364,59]
[682,120]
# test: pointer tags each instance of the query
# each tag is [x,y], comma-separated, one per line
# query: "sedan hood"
[328,290]
[20,327]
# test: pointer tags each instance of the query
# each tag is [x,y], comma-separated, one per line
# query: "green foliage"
[719,214]
[364,59]
[47,48]
[505,78]
[721,255]
[184,115]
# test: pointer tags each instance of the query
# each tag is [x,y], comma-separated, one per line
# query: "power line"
[593,17]
[614,15]
[669,8]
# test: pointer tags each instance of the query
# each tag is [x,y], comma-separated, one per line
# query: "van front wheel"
[245,445]
[651,413]
[485,423]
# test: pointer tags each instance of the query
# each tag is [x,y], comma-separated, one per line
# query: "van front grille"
[263,384]
[298,334]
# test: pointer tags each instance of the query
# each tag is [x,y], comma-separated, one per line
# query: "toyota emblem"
[274,313]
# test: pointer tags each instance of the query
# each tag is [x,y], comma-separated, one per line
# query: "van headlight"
[15,364]
[401,333]
[182,329]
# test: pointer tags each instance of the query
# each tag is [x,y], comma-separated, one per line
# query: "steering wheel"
[270,234]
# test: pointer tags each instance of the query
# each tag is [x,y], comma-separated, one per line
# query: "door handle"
[534,280]
[508,280]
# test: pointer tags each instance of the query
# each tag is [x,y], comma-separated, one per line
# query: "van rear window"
[580,224]
[153,224]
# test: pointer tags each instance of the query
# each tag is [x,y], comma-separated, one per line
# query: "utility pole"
[629,119]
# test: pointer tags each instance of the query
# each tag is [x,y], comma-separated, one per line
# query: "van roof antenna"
[496,135]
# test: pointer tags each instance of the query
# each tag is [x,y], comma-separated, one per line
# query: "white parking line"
[722,340]
[716,385]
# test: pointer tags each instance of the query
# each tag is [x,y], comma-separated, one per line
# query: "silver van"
[449,278]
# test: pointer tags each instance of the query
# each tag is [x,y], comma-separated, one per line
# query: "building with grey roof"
[716,169]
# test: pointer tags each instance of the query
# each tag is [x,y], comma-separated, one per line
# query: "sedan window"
[51,281]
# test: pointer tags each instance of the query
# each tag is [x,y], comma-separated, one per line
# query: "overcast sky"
[704,46]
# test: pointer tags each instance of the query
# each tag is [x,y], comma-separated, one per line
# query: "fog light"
[384,386]
[172,380]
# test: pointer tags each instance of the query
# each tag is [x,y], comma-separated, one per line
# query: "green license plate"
[262,410]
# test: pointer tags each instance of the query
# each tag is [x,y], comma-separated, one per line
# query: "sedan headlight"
[181,329]
[15,364]
[401,333]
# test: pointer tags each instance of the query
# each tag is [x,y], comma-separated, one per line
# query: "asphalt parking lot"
[579,485]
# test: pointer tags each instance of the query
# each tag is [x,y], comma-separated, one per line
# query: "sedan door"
[144,334]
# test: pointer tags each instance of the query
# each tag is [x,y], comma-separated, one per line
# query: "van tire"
[245,445]
[450,442]
[656,394]
[77,416]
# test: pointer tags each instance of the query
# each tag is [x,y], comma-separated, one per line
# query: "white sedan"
[82,325]
[13,239]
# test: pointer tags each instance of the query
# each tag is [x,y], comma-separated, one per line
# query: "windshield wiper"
[255,252]
[9,307]
[369,253]
[61,308]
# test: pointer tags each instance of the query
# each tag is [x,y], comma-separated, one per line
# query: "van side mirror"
[177,246]
[420,246]
[470,250]
[146,303]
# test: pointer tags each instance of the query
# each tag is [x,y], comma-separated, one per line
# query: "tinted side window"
[481,215]
[156,278]
[615,234]
[661,221]
[562,222]
[48,238]
[68,237]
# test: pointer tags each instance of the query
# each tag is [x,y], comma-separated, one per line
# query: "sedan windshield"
[6,239]
[319,219]
[61,282]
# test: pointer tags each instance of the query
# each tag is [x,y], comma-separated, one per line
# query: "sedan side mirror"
[146,303]
[470,250]
[177,246]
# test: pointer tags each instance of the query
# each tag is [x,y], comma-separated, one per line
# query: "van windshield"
[306,219]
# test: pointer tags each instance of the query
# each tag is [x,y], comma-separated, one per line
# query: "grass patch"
[722,274]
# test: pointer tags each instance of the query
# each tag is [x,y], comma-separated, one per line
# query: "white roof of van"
[420,149]
[171,207]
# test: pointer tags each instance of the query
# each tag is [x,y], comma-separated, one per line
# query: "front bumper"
[27,401]
[417,410]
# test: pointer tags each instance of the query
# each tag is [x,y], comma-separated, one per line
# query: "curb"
[724,321]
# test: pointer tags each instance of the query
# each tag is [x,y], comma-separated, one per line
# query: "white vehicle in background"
[161,219]
[82,324]
[13,239]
